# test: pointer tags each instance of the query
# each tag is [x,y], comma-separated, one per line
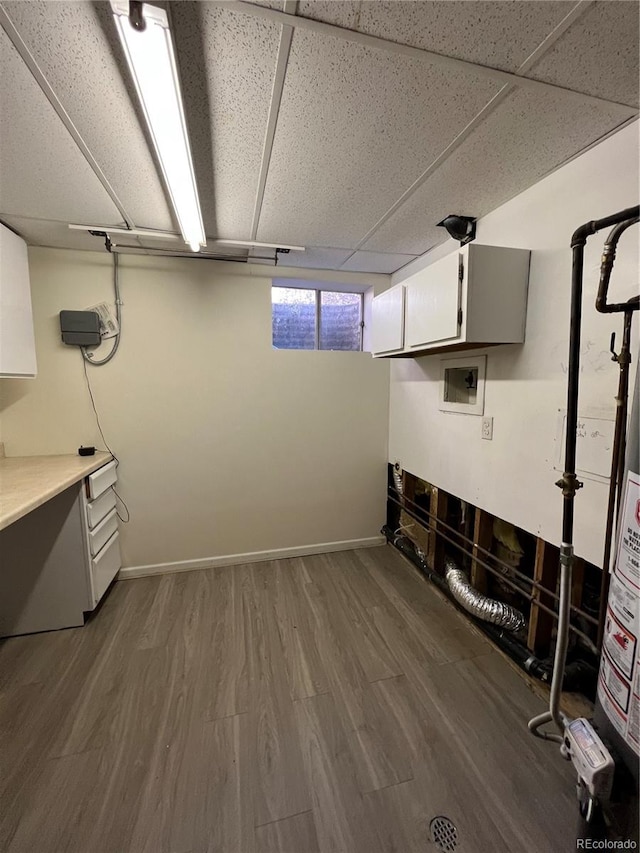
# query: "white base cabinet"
[474,297]
[58,561]
[100,530]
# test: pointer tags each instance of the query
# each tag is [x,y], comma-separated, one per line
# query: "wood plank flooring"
[329,704]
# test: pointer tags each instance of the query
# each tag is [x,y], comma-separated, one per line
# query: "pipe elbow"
[579,236]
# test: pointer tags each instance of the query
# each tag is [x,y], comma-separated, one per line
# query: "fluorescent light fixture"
[253,244]
[127,232]
[168,235]
[151,59]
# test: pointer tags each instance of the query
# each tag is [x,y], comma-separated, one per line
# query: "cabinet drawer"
[105,566]
[100,480]
[98,509]
[106,529]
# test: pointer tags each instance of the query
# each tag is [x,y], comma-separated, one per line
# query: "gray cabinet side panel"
[43,580]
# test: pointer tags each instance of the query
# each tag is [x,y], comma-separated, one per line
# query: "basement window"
[314,319]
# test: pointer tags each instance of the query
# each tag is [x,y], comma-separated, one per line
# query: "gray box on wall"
[80,328]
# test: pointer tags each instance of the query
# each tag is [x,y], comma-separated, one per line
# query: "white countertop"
[27,482]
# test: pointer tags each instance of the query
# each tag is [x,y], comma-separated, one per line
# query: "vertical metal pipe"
[619,440]
[617,466]
[569,482]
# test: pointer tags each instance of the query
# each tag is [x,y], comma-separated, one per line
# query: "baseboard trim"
[252,557]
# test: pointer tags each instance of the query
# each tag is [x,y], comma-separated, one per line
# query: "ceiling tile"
[315,258]
[498,34]
[598,54]
[227,93]
[346,13]
[356,127]
[269,4]
[40,232]
[526,137]
[376,262]
[70,45]
[42,172]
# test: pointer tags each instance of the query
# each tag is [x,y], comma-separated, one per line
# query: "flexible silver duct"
[479,605]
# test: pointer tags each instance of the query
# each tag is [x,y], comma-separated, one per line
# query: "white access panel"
[17,344]
[433,303]
[387,320]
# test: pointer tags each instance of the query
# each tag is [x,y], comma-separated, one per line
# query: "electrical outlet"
[487,428]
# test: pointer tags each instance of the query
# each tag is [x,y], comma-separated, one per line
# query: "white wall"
[227,445]
[513,476]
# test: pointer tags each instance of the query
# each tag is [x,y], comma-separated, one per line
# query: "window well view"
[316,319]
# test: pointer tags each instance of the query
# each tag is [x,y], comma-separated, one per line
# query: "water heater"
[617,711]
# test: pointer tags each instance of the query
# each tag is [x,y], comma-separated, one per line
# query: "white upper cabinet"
[387,319]
[17,345]
[433,303]
[476,296]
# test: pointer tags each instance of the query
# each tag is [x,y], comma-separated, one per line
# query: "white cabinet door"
[17,345]
[387,320]
[433,303]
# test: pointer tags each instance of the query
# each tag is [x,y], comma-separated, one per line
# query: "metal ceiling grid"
[355,125]
[498,35]
[492,165]
[334,127]
[227,83]
[68,44]
[598,54]
[42,171]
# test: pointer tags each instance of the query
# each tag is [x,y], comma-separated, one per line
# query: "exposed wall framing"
[503,562]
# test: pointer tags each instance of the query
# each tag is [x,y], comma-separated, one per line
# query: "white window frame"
[320,288]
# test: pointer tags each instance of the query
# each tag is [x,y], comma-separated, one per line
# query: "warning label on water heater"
[619,681]
[619,643]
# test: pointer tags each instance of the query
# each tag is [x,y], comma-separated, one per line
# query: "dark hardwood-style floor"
[316,705]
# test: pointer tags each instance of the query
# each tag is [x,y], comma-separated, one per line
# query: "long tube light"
[149,50]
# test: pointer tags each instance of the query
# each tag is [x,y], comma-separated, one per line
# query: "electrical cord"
[117,461]
[95,411]
[114,349]
[126,508]
[88,359]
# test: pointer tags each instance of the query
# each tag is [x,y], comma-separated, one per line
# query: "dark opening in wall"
[504,563]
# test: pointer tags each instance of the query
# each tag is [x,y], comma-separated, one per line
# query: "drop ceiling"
[350,128]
